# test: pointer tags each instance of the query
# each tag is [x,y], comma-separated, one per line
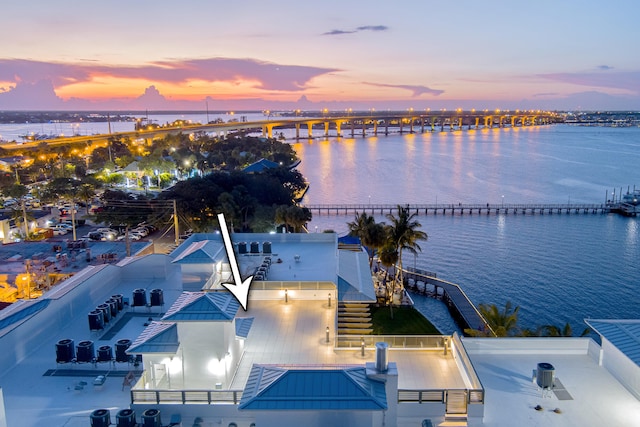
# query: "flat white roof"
[294,257]
[295,333]
[586,394]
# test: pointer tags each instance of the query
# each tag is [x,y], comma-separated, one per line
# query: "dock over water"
[465,208]
[463,311]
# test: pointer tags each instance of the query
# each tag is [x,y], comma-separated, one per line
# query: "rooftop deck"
[295,333]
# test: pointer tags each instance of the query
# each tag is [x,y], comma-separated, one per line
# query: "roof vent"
[381,356]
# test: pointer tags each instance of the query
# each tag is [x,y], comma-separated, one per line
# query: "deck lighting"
[329,299]
[327,335]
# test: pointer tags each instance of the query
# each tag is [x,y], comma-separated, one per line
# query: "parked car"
[61,227]
[95,235]
[141,231]
[108,233]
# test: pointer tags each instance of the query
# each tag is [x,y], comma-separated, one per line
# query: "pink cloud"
[269,76]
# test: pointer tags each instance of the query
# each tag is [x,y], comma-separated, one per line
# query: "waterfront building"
[180,350]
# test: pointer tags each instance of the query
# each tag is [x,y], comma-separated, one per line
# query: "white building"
[207,362]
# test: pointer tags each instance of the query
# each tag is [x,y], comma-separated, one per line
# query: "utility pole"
[73,217]
[24,219]
[175,222]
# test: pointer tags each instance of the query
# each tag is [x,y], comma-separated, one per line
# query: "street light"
[503,200]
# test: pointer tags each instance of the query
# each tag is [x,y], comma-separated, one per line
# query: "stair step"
[352,304]
[350,314]
[354,320]
[354,310]
[347,331]
[355,325]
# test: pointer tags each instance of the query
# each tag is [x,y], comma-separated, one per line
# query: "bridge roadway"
[461,208]
[372,124]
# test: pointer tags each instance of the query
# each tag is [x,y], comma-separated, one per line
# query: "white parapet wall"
[530,345]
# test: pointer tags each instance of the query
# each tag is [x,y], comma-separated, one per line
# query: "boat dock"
[463,311]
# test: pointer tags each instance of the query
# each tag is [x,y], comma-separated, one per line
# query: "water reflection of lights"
[633,230]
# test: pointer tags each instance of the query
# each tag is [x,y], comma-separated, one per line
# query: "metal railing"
[186,397]
[424,342]
[438,396]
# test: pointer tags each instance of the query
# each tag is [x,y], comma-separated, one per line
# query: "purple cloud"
[629,80]
[363,28]
[267,75]
[415,90]
[337,32]
[373,28]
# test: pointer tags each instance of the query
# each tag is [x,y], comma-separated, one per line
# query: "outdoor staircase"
[354,319]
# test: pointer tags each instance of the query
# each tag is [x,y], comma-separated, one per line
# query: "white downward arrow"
[239,289]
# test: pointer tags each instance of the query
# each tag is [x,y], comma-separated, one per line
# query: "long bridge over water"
[330,124]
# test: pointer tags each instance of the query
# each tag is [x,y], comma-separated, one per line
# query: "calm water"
[557,268]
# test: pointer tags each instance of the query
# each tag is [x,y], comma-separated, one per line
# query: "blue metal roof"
[158,337]
[260,166]
[243,325]
[327,388]
[623,334]
[205,251]
[203,306]
[354,277]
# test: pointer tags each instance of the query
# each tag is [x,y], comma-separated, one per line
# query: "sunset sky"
[285,54]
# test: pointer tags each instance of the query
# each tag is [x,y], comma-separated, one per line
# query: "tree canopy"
[238,195]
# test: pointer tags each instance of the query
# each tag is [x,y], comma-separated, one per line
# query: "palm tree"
[86,193]
[21,218]
[566,331]
[388,256]
[18,191]
[371,234]
[404,234]
[502,323]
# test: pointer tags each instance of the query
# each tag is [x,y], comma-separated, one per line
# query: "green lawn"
[406,321]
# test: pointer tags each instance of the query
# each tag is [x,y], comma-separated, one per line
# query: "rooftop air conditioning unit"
[126,418]
[545,375]
[151,418]
[100,418]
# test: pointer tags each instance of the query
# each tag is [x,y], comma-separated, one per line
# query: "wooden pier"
[464,208]
[463,311]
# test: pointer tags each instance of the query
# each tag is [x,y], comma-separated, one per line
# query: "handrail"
[441,282]
[474,396]
[425,342]
[186,397]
